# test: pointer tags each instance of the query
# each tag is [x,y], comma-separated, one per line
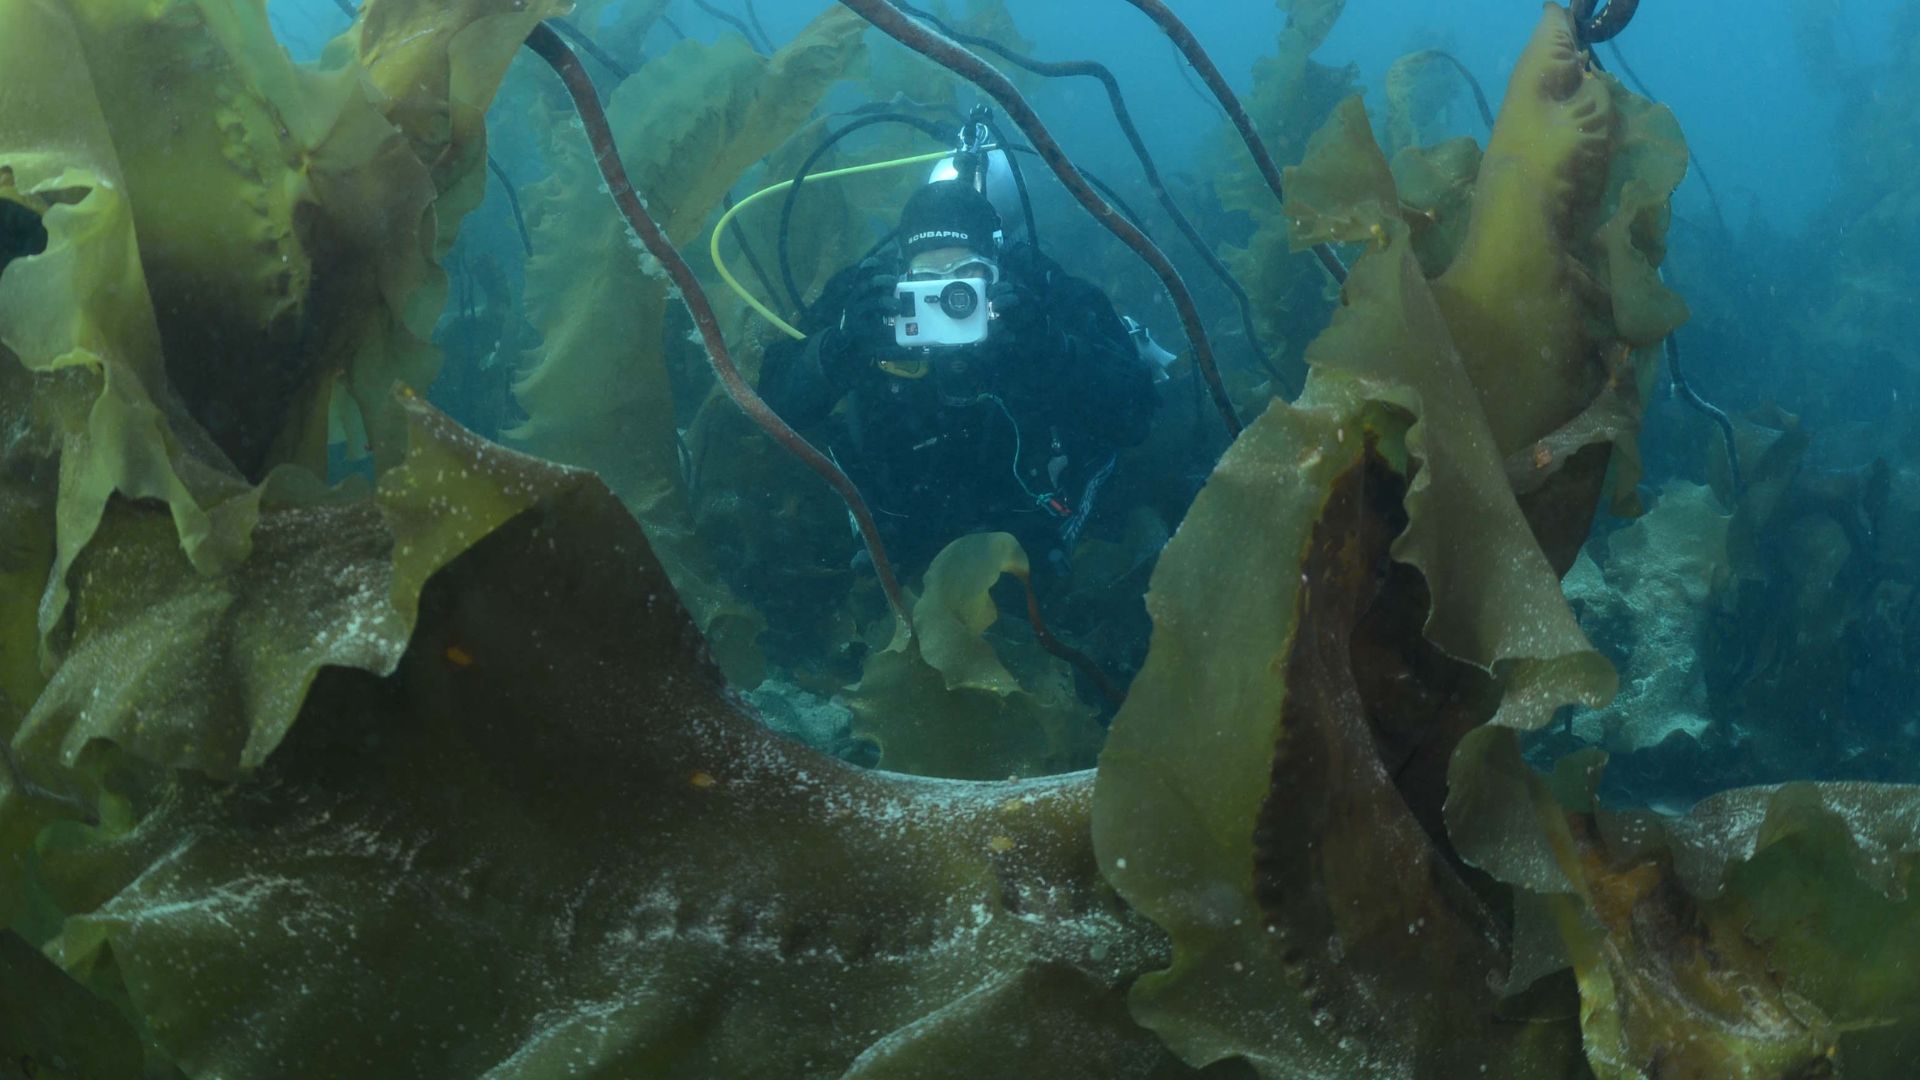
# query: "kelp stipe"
[555,52]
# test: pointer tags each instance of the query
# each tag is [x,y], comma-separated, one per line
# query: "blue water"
[521,827]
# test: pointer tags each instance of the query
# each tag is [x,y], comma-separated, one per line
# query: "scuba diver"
[985,388]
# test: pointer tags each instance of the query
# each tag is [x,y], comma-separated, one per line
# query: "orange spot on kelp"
[458,656]
[1542,455]
[1000,845]
[701,780]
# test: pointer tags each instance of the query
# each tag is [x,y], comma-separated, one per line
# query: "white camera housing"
[942,312]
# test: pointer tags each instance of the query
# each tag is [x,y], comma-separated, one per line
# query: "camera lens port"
[959,299]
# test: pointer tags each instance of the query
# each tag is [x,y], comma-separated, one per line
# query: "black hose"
[1020,185]
[731,20]
[513,200]
[1124,117]
[1594,29]
[1099,185]
[934,131]
[783,254]
[1186,76]
[754,18]
[1713,412]
[1479,95]
[1605,26]
[1713,197]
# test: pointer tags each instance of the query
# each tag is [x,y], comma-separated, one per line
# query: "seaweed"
[1821,681]
[702,114]
[51,1026]
[457,889]
[1291,97]
[444,773]
[948,704]
[1753,936]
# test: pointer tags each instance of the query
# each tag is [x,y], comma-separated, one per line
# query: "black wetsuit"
[936,456]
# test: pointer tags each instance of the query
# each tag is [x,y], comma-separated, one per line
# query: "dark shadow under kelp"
[434,776]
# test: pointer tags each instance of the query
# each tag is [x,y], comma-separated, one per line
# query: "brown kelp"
[571,900]
[1291,97]
[957,704]
[696,119]
[1294,842]
[1822,677]
[706,323]
[1189,47]
[434,774]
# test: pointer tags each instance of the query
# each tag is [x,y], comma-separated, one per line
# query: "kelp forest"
[424,653]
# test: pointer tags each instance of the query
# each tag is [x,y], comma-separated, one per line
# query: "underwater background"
[423,654]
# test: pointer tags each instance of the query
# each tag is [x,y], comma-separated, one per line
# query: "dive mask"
[969,265]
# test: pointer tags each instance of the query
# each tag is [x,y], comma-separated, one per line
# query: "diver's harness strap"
[1053,501]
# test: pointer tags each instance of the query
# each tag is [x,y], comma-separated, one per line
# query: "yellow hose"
[713,246]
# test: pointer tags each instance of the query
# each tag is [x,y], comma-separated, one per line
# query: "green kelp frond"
[208,673]
[1311,20]
[226,237]
[79,316]
[1767,933]
[27,496]
[1277,805]
[1418,88]
[280,244]
[1343,192]
[953,703]
[1495,602]
[1243,804]
[294,202]
[1306,875]
[599,395]
[1436,191]
[1526,289]
[1292,96]
[550,841]
[1551,297]
[957,607]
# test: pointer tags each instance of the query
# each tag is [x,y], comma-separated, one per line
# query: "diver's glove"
[1018,310]
[856,340]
